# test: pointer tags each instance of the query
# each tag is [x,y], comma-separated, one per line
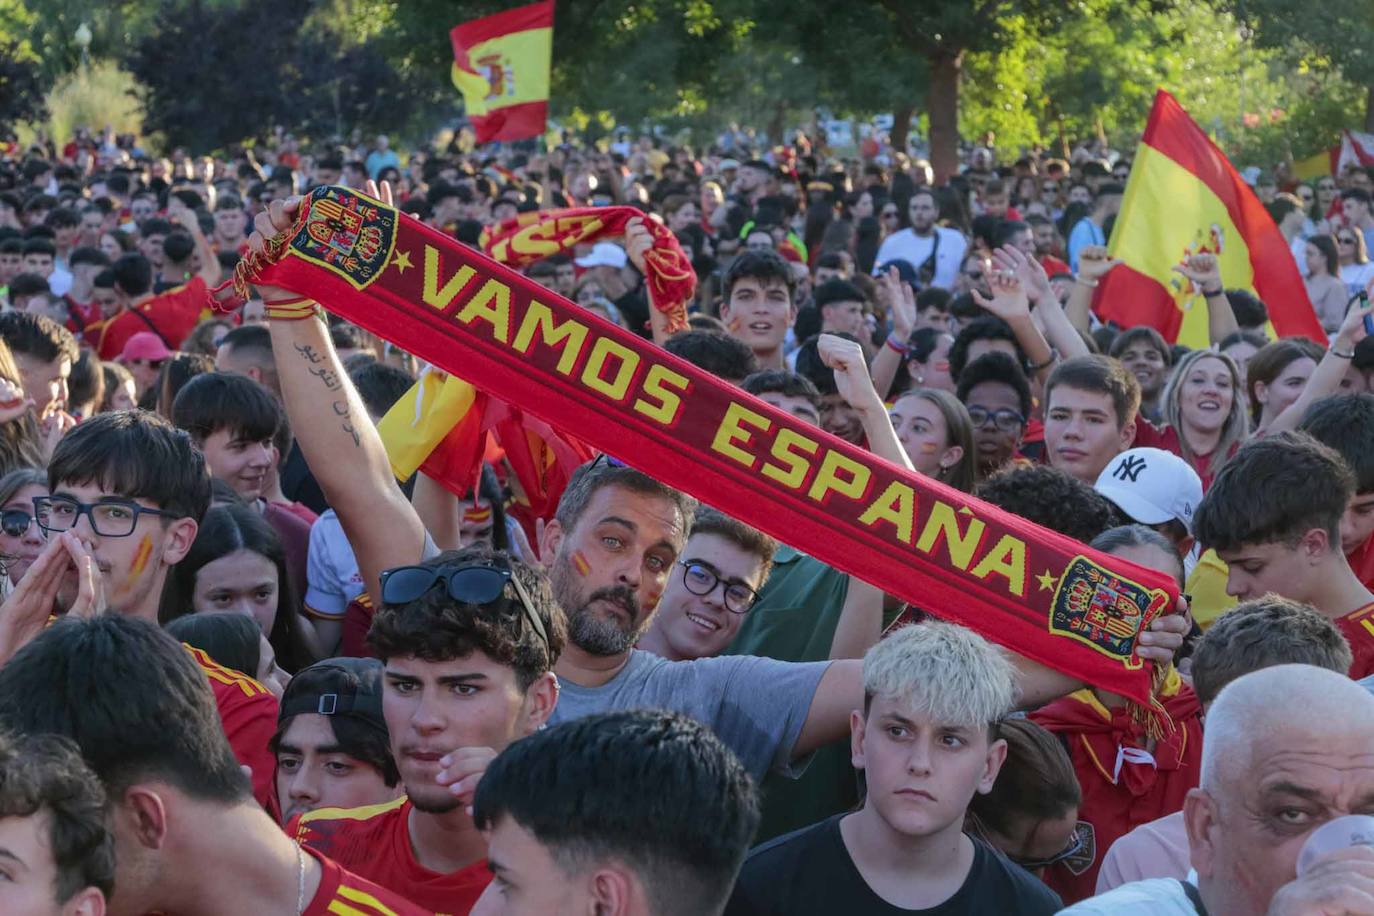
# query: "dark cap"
[337,687]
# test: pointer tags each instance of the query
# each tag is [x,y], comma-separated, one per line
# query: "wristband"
[1211,293]
[300,311]
[1085,281]
[1339,355]
[897,346]
[1054,355]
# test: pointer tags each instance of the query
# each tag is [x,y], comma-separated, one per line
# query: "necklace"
[300,887]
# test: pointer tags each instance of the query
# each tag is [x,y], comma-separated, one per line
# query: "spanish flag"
[1185,198]
[501,65]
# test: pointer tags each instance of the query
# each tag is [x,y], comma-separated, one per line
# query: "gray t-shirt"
[756,706]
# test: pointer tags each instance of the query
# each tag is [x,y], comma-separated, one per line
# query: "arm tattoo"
[341,409]
[328,376]
[308,353]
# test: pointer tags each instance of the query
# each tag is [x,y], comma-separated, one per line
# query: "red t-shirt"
[1358,630]
[1121,790]
[374,843]
[1361,562]
[357,621]
[1054,266]
[173,314]
[342,892]
[248,712]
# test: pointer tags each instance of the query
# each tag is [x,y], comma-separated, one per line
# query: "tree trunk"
[942,103]
[1369,109]
[776,124]
[901,124]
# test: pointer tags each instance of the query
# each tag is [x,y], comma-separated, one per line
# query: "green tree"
[1340,35]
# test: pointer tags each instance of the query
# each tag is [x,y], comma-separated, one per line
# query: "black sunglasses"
[15,522]
[475,584]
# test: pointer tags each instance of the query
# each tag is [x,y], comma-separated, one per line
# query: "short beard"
[604,637]
[438,804]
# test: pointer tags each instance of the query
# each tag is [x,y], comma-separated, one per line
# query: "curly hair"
[435,627]
[1051,498]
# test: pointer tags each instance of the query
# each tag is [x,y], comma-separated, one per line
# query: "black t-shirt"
[810,871]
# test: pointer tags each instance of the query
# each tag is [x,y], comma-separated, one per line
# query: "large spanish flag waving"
[1184,198]
[501,65]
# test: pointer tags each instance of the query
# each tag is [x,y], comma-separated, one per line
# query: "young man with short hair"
[841,305]
[232,419]
[926,740]
[468,640]
[172,315]
[332,745]
[1346,423]
[789,392]
[723,355]
[1090,415]
[1147,356]
[1274,516]
[56,852]
[40,257]
[934,251]
[133,488]
[759,307]
[724,564]
[1357,209]
[189,837]
[44,352]
[1154,488]
[638,813]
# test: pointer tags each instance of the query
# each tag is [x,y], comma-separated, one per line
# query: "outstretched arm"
[337,437]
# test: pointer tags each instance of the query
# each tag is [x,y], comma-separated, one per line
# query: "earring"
[920,379]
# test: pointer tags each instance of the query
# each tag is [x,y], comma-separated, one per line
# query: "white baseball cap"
[604,254]
[1152,486]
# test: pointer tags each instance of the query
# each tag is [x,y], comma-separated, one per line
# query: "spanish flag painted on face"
[1185,198]
[501,65]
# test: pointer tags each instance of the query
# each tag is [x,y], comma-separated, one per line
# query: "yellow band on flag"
[419,421]
[510,70]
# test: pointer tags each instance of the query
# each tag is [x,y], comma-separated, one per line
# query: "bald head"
[1285,707]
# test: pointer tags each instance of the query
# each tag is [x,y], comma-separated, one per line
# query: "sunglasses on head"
[476,584]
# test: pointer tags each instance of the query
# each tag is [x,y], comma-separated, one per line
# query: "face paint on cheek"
[141,557]
[929,448]
[580,563]
[734,325]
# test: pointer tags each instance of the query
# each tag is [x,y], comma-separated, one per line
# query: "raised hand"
[901,302]
[1028,270]
[1009,300]
[846,358]
[1204,270]
[638,241]
[1094,262]
[13,404]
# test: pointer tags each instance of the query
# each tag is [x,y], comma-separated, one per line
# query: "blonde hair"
[949,672]
[1237,425]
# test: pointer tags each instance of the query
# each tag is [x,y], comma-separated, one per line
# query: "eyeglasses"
[1075,846]
[701,580]
[476,584]
[1005,419]
[1326,187]
[890,214]
[15,522]
[112,518]
[1049,188]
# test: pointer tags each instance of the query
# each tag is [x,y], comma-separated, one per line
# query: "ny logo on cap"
[1129,468]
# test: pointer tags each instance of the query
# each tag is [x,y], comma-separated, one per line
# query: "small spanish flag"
[1184,198]
[501,65]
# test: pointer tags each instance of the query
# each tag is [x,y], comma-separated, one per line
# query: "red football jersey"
[248,712]
[342,892]
[374,843]
[1358,630]
[172,314]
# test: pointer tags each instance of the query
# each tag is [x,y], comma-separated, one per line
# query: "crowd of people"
[243,668]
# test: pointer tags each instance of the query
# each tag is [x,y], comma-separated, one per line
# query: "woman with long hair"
[21,441]
[1324,286]
[935,429]
[234,641]
[1277,375]
[1356,270]
[1204,408]
[237,564]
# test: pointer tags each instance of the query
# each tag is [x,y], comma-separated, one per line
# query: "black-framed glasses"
[1075,846]
[700,579]
[109,518]
[1345,240]
[476,584]
[1005,419]
[15,522]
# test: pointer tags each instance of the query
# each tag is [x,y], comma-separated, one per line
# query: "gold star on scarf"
[401,260]
[1047,580]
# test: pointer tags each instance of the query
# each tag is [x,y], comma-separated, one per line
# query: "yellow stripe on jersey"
[351,814]
[217,672]
[362,898]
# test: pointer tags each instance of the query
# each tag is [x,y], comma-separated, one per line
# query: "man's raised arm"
[337,437]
